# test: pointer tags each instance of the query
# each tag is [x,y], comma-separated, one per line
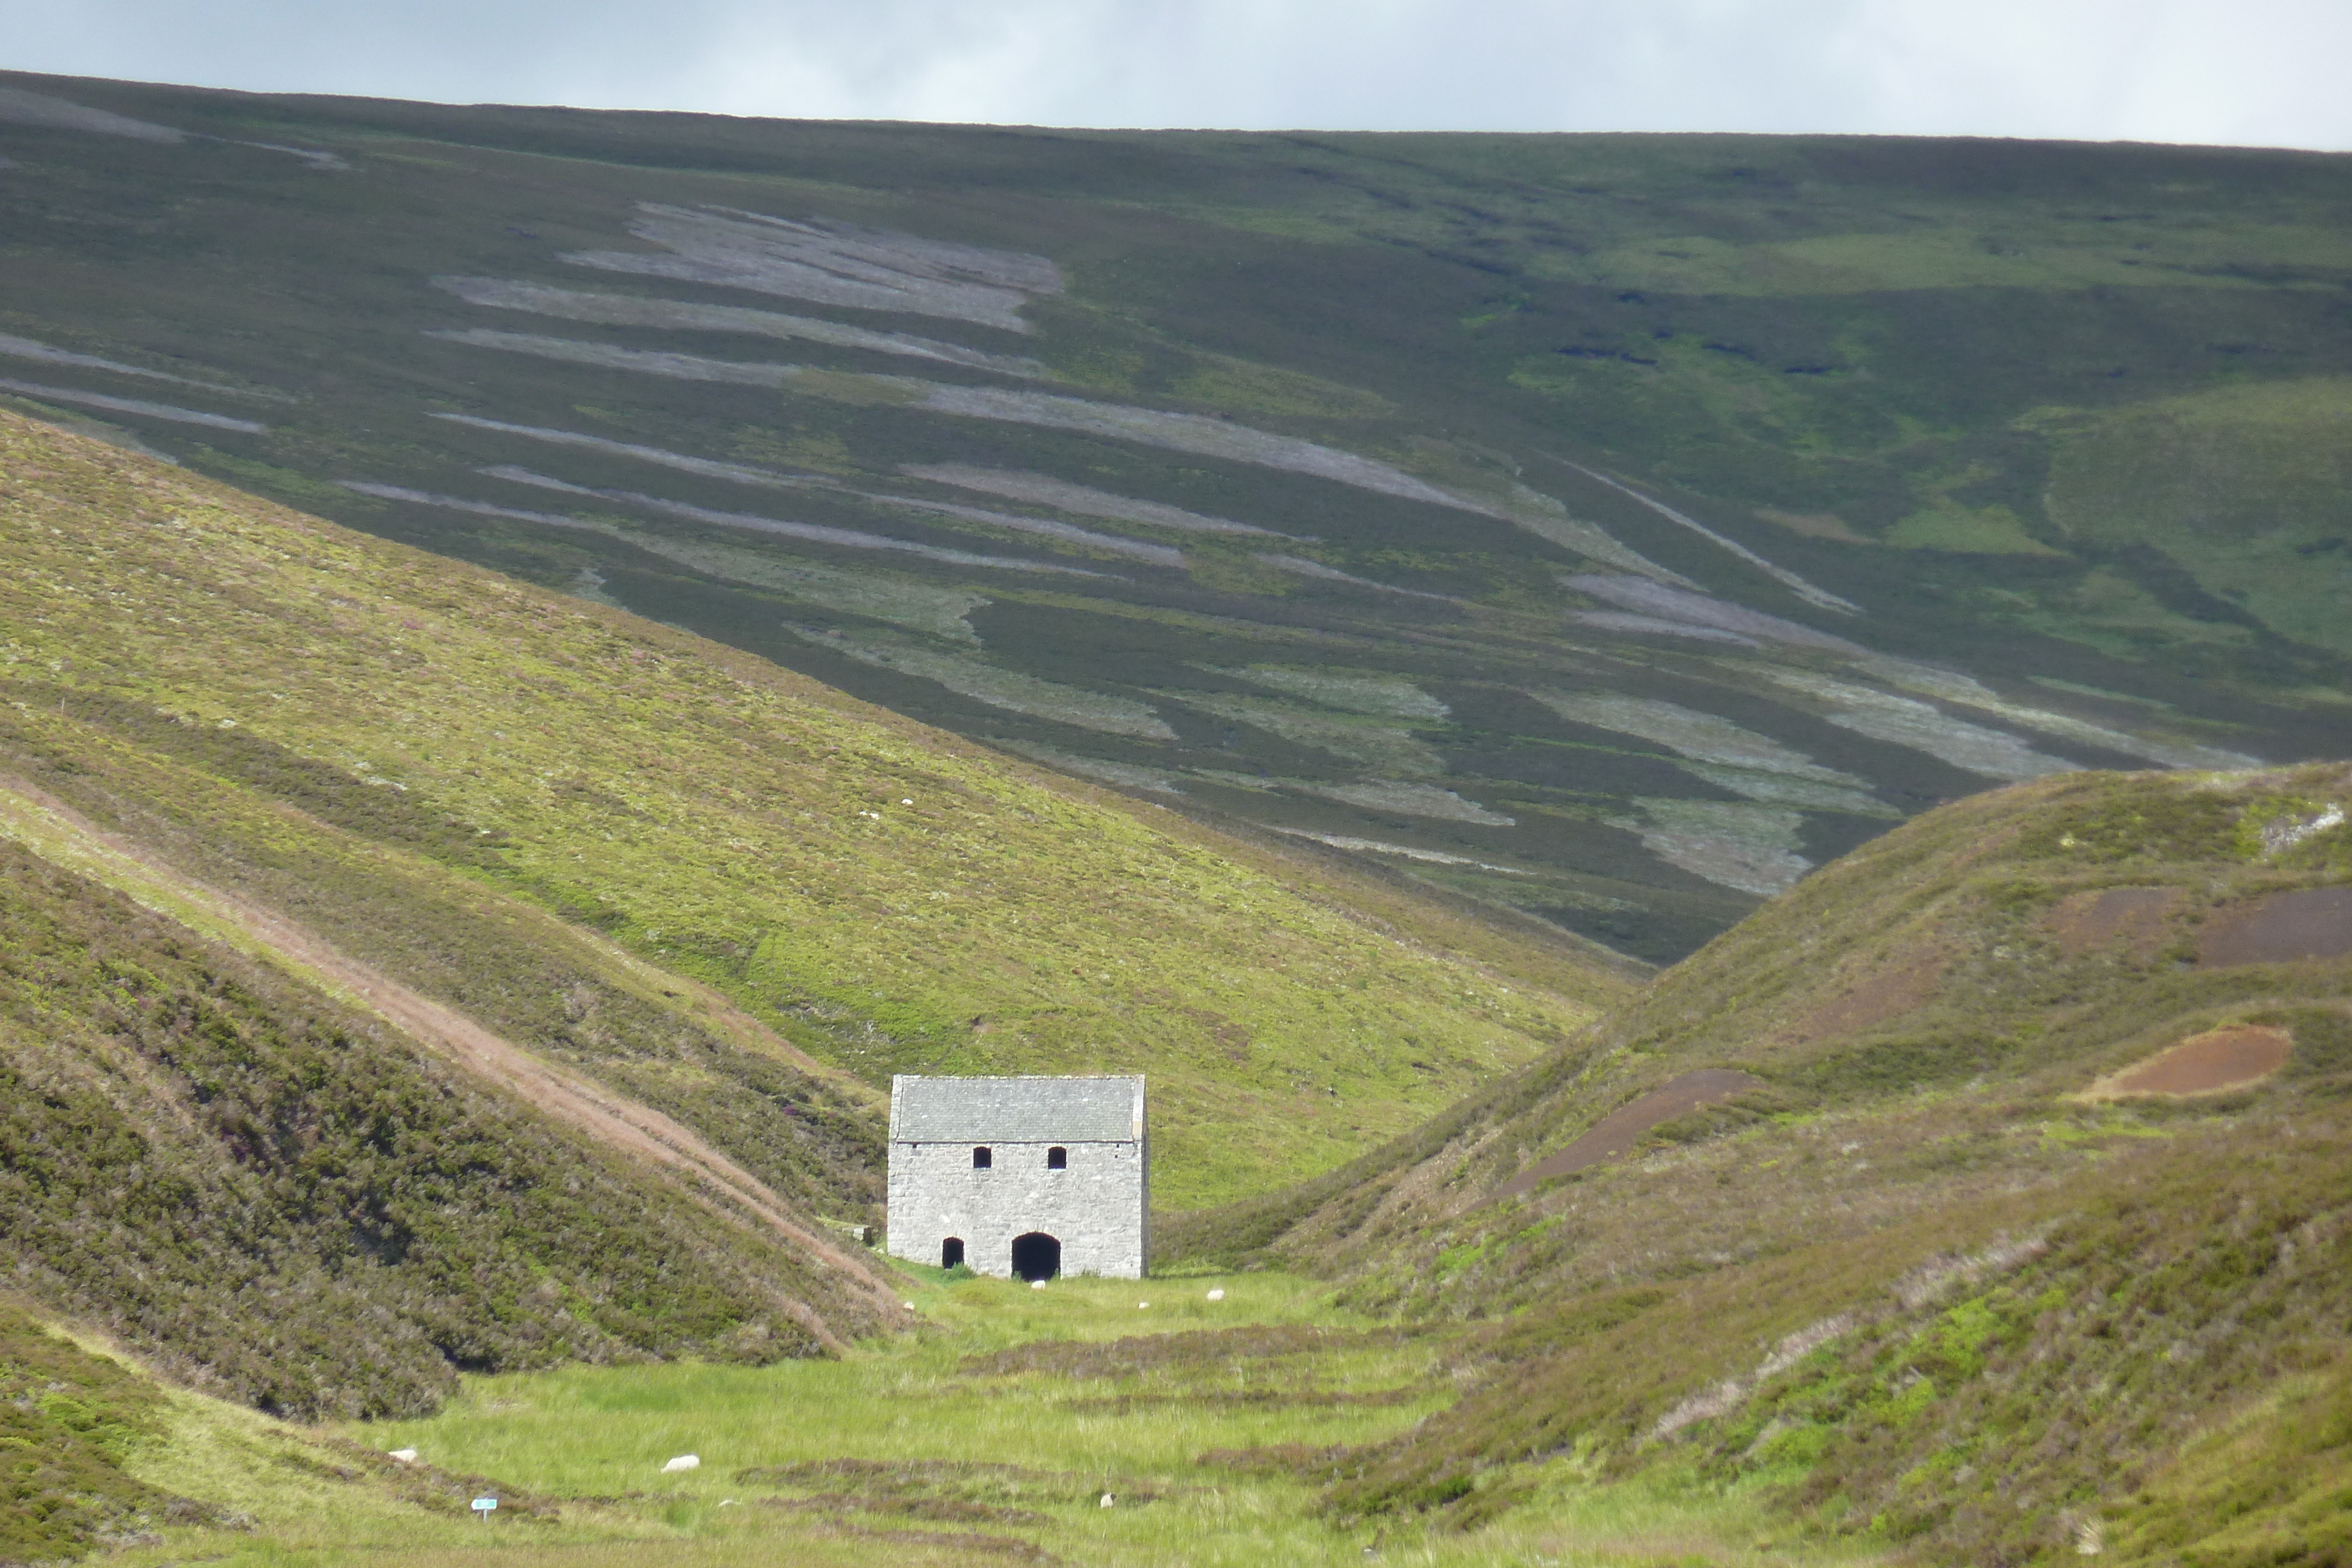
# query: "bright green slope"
[888,897]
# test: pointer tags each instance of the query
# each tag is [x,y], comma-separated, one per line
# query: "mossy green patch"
[67,1421]
[2011,250]
[2242,484]
[1969,530]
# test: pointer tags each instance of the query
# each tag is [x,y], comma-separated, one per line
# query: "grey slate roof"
[1015,1110]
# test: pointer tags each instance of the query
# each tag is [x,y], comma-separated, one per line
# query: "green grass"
[1888,1306]
[2241,485]
[991,1434]
[2265,1486]
[918,1403]
[1016,1412]
[713,816]
[1993,255]
[2065,418]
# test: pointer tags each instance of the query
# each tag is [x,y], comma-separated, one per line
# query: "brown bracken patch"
[2213,1063]
[2280,927]
[2135,916]
[1617,1132]
[1891,992]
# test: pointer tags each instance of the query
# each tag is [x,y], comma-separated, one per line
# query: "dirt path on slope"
[578,1102]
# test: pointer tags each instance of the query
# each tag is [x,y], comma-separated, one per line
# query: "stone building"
[1026,1177]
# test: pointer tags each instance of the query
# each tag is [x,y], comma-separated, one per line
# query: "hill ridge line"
[614,1121]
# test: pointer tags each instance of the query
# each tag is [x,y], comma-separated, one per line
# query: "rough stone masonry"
[1021,1176]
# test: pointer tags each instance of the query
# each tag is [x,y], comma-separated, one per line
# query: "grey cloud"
[2256,72]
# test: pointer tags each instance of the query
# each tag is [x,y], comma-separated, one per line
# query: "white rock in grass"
[683,1462]
[1218,1294]
[406,1456]
[1141,1306]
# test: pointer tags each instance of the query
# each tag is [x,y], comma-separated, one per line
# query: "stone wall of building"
[1096,1209]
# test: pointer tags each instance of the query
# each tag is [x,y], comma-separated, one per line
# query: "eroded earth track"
[57,832]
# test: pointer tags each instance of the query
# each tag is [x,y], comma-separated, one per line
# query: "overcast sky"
[2256,72]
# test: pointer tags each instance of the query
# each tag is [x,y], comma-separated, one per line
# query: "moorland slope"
[1608,527]
[1989,1190]
[1981,1201]
[696,876]
[408,972]
[284,1201]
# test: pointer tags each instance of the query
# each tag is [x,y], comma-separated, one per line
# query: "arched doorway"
[1036,1256]
[952,1252]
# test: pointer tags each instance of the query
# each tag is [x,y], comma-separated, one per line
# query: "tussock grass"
[1012,1419]
[1045,490]
[1750,848]
[1000,688]
[1922,726]
[633,310]
[1387,748]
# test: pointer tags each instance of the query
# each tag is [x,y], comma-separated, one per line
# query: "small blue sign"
[483,1505]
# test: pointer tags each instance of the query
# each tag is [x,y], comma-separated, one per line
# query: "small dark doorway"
[952,1252]
[1057,1159]
[982,1158]
[1036,1256]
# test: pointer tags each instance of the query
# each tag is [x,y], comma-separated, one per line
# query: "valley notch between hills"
[452,956]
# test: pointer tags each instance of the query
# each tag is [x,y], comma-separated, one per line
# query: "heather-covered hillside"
[1608,528]
[1956,1197]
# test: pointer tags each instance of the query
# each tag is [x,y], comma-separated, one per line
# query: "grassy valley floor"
[992,1437]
